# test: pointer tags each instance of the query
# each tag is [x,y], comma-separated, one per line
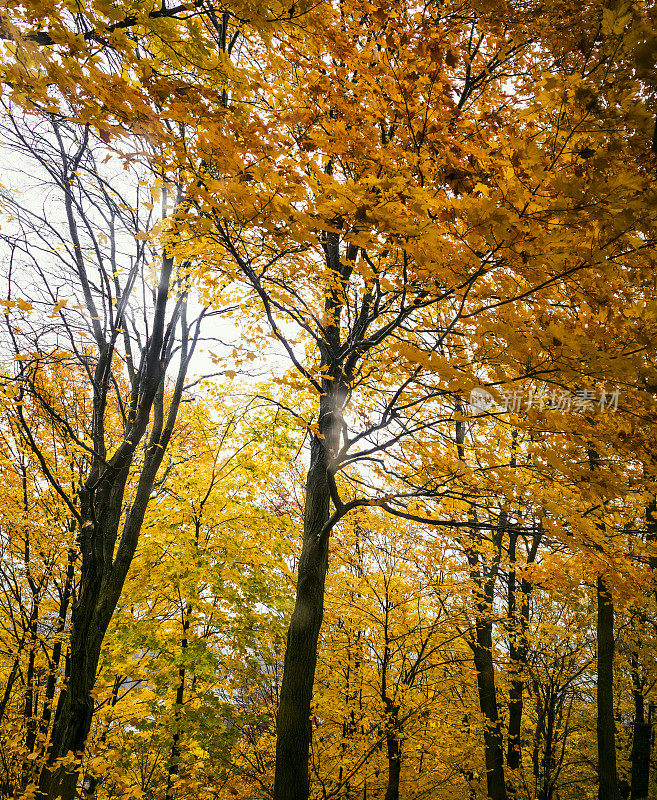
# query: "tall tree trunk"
[483,660]
[75,708]
[641,736]
[394,765]
[513,754]
[482,645]
[518,651]
[607,773]
[642,731]
[293,735]
[31,697]
[393,744]
[174,757]
[547,786]
[105,564]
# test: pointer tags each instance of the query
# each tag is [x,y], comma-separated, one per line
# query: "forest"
[328,399]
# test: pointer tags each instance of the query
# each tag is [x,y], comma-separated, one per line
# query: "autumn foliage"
[327,389]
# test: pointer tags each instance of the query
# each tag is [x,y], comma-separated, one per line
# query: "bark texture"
[607,773]
[494,756]
[294,731]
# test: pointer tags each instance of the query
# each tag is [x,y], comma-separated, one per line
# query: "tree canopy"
[327,398]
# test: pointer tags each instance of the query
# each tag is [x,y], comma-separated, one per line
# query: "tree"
[405,254]
[84,314]
[36,585]
[421,202]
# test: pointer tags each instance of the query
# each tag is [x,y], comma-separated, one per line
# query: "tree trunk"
[294,732]
[515,721]
[642,733]
[607,774]
[174,757]
[518,652]
[547,786]
[10,683]
[393,744]
[31,697]
[75,709]
[483,660]
[104,564]
[394,766]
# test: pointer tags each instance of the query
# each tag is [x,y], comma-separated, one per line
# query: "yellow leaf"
[58,307]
